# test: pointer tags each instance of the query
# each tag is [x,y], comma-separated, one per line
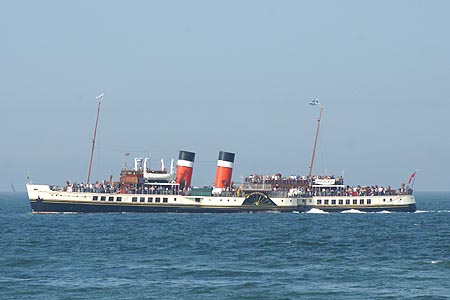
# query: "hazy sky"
[205,76]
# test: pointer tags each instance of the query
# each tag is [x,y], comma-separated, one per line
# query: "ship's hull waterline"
[44,207]
[55,207]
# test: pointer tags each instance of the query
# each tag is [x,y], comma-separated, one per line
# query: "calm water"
[225,256]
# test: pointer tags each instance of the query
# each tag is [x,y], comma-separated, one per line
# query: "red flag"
[411,177]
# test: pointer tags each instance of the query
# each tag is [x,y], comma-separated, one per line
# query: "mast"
[99,97]
[315,141]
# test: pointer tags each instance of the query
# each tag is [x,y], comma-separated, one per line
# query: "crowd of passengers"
[308,191]
[358,191]
[278,179]
[115,188]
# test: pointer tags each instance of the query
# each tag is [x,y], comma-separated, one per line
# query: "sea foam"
[316,211]
[352,211]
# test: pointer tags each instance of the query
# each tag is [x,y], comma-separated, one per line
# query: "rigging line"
[100,97]
[315,141]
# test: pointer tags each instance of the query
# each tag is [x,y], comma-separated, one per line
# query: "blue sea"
[225,256]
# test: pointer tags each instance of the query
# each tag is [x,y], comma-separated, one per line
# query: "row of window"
[110,198]
[165,200]
[134,199]
[151,199]
[341,201]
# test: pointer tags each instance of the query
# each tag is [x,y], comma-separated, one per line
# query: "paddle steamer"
[141,189]
[136,192]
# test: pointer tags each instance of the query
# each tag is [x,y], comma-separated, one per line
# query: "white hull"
[365,203]
[45,200]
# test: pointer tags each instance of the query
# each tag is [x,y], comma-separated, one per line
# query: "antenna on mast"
[99,97]
[314,103]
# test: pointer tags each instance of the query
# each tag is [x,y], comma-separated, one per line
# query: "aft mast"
[315,102]
[99,97]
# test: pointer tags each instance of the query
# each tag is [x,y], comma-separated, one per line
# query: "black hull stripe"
[61,207]
[49,207]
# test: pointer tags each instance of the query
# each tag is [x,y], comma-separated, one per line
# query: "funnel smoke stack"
[224,169]
[185,166]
